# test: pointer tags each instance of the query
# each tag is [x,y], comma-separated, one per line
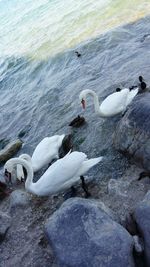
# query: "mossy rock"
[10,150]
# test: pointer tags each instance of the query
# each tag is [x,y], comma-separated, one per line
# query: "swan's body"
[44,153]
[112,104]
[60,175]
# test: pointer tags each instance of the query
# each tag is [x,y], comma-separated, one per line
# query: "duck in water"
[142,85]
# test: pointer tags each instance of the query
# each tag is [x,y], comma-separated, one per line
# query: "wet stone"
[142,217]
[82,234]
[10,150]
[19,198]
[132,135]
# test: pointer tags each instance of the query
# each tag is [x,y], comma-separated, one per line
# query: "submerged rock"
[24,131]
[5,222]
[3,143]
[132,135]
[142,217]
[10,150]
[82,234]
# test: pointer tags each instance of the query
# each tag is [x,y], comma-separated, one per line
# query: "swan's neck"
[27,165]
[96,101]
[26,157]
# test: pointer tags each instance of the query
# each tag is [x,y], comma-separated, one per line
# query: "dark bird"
[140,79]
[78,54]
[77,122]
[66,146]
[118,89]
[142,85]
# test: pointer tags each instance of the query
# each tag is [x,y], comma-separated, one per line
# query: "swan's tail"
[87,164]
[131,95]
[61,137]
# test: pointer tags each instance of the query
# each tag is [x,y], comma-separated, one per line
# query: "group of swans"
[67,171]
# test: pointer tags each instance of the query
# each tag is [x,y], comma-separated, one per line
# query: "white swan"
[60,175]
[112,104]
[44,153]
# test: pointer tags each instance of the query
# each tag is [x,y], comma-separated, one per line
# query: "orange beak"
[83,103]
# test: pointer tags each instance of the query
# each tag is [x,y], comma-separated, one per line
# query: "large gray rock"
[9,150]
[132,134]
[142,217]
[5,222]
[83,235]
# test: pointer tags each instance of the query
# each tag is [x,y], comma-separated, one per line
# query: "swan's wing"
[46,151]
[60,172]
[114,103]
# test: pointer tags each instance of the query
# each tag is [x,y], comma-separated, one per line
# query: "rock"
[5,222]
[19,198]
[130,224]
[142,217]
[117,188]
[21,133]
[10,149]
[132,135]
[138,245]
[24,131]
[3,143]
[83,235]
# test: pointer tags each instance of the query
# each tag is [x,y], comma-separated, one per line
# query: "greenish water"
[42,28]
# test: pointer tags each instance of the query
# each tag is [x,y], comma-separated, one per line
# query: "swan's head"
[8,171]
[82,98]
